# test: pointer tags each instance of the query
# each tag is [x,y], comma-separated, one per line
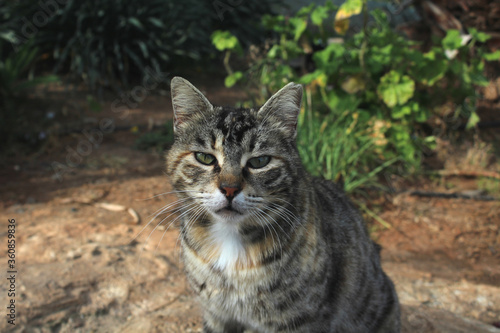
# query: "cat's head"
[234,164]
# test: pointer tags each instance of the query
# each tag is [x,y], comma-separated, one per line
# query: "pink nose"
[230,191]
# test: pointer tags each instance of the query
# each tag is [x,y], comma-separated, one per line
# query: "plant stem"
[227,55]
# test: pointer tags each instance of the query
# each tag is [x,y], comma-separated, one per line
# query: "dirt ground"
[81,268]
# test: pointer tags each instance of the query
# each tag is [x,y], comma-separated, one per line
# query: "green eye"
[206,159]
[258,162]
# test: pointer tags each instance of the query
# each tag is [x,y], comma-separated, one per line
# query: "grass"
[338,148]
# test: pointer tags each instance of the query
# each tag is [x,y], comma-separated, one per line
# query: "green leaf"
[492,56]
[144,48]
[346,10]
[381,18]
[36,81]
[318,77]
[422,115]
[330,58]
[300,26]
[379,57]
[134,21]
[305,10]
[232,79]
[275,23]
[479,79]
[353,84]
[9,36]
[399,111]
[318,15]
[395,89]
[473,120]
[349,8]
[93,104]
[273,51]
[339,102]
[224,40]
[428,70]
[156,22]
[479,36]
[453,40]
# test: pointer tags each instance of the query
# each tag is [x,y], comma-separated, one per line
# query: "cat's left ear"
[285,107]
[186,101]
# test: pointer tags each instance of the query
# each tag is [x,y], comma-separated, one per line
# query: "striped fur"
[286,253]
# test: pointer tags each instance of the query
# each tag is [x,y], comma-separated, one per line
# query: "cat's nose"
[230,191]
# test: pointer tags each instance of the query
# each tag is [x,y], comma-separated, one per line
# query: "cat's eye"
[258,162]
[206,159]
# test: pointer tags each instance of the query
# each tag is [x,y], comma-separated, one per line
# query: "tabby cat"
[266,246]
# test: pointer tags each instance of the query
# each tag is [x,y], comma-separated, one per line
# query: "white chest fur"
[228,244]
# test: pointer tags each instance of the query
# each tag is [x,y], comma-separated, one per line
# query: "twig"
[459,173]
[453,196]
[374,215]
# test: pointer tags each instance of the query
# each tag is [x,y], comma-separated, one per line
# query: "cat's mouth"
[229,211]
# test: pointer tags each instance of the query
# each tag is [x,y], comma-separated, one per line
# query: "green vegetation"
[157,140]
[368,92]
[111,43]
[105,44]
[16,78]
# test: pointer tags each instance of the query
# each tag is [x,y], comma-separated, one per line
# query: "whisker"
[165,208]
[161,211]
[263,225]
[260,212]
[188,205]
[283,210]
[166,229]
[175,211]
[189,224]
[166,193]
[283,216]
[260,220]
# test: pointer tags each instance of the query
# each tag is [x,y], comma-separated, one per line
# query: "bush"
[17,121]
[367,93]
[157,140]
[107,42]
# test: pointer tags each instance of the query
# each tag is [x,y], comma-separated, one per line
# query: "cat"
[267,247]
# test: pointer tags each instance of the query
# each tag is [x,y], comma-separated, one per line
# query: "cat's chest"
[225,247]
[243,294]
[226,266]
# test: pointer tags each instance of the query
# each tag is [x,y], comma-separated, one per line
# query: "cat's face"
[234,165]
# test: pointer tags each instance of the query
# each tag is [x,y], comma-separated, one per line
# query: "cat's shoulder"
[328,188]
[331,196]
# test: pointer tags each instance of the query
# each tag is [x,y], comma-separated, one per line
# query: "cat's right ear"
[186,101]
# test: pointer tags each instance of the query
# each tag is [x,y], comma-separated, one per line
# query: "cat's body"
[267,247]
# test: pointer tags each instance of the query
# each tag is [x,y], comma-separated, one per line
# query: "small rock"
[96,251]
[20,210]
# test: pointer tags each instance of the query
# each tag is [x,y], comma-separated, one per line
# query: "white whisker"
[175,211]
[166,193]
[260,212]
[160,211]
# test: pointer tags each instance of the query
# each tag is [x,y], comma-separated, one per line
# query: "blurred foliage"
[109,42]
[368,91]
[16,78]
[106,43]
[157,140]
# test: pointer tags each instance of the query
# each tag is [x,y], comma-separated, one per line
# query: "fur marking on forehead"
[234,123]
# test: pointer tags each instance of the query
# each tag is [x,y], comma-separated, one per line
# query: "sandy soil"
[81,267]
